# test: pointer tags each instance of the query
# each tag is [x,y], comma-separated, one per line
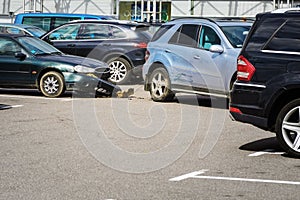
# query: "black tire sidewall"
[128,70]
[168,94]
[61,83]
[278,127]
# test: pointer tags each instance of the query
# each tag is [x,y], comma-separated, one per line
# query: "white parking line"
[14,106]
[34,97]
[197,173]
[264,152]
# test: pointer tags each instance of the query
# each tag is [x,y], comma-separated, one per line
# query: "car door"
[14,70]
[179,49]
[209,65]
[93,40]
[64,38]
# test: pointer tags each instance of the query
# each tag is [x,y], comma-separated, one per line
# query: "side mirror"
[216,48]
[20,55]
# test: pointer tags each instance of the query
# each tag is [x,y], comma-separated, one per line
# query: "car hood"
[73,60]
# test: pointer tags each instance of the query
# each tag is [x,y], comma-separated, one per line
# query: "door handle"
[107,45]
[71,45]
[197,57]
[167,51]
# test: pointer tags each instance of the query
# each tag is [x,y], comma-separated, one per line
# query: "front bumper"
[86,84]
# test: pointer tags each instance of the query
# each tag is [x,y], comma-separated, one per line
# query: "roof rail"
[243,19]
[286,10]
[205,18]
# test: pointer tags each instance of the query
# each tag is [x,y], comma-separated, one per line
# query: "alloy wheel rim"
[291,129]
[158,85]
[51,85]
[118,71]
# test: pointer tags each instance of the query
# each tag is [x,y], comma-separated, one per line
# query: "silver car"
[194,55]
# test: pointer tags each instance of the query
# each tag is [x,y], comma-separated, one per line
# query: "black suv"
[267,91]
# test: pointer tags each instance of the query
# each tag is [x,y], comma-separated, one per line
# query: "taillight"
[245,69]
[235,110]
[147,54]
[142,45]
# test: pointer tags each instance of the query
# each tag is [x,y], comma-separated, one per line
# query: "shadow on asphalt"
[265,144]
[204,101]
[5,107]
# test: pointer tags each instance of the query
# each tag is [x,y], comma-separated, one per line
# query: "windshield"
[37,46]
[236,34]
[37,32]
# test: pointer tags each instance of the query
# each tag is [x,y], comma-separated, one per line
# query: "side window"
[65,33]
[186,35]
[160,32]
[62,20]
[42,22]
[8,47]
[287,38]
[94,31]
[117,32]
[208,37]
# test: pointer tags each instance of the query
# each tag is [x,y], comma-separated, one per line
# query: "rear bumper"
[250,119]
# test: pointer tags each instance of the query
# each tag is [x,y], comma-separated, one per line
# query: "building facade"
[146,9]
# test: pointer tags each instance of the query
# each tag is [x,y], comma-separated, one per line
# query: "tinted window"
[65,33]
[160,32]
[208,37]
[186,35]
[62,20]
[42,22]
[117,32]
[94,31]
[8,47]
[263,31]
[287,38]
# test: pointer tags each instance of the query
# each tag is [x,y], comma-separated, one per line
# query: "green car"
[28,62]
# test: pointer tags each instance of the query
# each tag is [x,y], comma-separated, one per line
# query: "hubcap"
[51,85]
[158,85]
[118,71]
[291,129]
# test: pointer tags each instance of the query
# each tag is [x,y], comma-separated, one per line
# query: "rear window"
[160,32]
[287,38]
[263,32]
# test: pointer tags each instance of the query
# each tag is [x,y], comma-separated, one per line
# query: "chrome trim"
[202,93]
[250,85]
[281,52]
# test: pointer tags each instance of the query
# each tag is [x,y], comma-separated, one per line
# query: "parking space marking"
[264,152]
[197,173]
[34,97]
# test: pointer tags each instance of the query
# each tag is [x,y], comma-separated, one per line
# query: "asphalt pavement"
[134,148]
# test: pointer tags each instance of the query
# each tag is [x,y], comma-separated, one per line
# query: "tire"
[52,84]
[288,128]
[120,70]
[160,85]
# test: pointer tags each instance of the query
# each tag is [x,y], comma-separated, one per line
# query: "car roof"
[17,25]
[62,15]
[117,22]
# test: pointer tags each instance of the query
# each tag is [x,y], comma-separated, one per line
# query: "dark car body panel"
[277,77]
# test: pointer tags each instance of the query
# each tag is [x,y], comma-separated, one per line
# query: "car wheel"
[160,85]
[288,128]
[119,70]
[52,84]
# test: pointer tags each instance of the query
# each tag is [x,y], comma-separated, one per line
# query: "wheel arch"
[118,55]
[283,98]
